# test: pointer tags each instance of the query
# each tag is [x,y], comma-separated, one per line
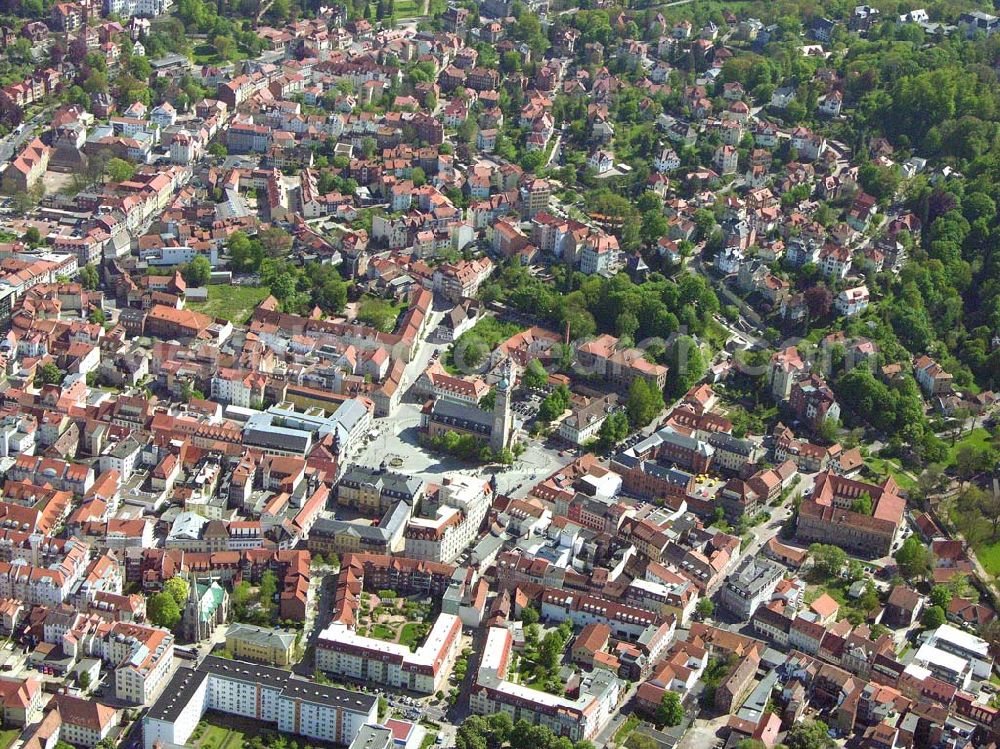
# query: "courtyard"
[386,616]
[219,732]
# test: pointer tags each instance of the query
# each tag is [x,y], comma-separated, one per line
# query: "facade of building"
[577,719]
[750,585]
[272,647]
[459,508]
[207,607]
[344,653]
[268,695]
[826,516]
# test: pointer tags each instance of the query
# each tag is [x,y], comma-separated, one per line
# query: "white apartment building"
[236,387]
[185,148]
[750,586]
[142,8]
[139,655]
[123,456]
[851,302]
[462,504]
[36,585]
[341,651]
[582,718]
[143,656]
[17,435]
[266,694]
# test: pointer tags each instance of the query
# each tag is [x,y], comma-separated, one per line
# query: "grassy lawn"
[477,343]
[980,438]
[989,554]
[836,588]
[382,632]
[987,549]
[234,303]
[7,736]
[407,8]
[429,740]
[378,313]
[883,466]
[220,737]
[410,635]
[206,54]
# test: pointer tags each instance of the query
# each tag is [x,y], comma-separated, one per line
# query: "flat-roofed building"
[261,693]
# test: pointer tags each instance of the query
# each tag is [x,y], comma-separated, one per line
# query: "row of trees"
[499,731]
[471,448]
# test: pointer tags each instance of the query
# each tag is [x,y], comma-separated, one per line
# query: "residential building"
[577,719]
[262,693]
[750,585]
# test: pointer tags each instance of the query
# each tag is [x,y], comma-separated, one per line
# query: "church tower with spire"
[191,617]
[502,418]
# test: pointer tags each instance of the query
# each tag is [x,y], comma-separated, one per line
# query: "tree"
[940,596]
[241,594]
[377,313]
[913,559]
[163,610]
[49,374]
[868,601]
[529,615]
[654,225]
[863,504]
[119,170]
[933,617]
[549,650]
[268,588]
[179,588]
[614,429]
[89,277]
[671,712]
[418,176]
[224,46]
[819,300]
[645,401]
[489,401]
[535,375]
[827,559]
[809,734]
[32,236]
[198,272]
[554,404]
[991,633]
[276,241]
[244,253]
[283,286]
[973,459]
[704,608]
[686,363]
[85,681]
